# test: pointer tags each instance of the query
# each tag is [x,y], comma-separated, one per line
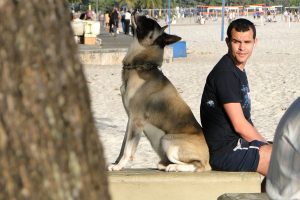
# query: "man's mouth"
[242,54]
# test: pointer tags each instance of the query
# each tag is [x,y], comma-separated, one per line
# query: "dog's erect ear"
[164,27]
[170,39]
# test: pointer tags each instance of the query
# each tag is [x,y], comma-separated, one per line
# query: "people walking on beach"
[230,17]
[283,180]
[286,15]
[123,20]
[234,143]
[114,22]
[296,16]
[101,19]
[127,22]
[269,17]
[106,20]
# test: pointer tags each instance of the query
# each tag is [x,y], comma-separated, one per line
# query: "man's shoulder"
[224,68]
[225,64]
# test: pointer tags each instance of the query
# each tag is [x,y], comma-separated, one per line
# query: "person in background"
[286,15]
[127,22]
[114,22]
[82,16]
[106,20]
[86,15]
[283,179]
[101,19]
[123,19]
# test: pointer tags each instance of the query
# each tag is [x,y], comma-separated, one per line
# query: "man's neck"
[241,67]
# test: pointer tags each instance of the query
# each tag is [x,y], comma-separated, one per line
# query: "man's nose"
[241,46]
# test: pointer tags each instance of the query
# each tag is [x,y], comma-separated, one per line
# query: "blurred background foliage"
[103,5]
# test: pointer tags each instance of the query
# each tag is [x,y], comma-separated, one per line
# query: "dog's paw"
[172,168]
[114,167]
[180,168]
[161,167]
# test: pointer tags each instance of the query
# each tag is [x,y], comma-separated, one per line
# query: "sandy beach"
[273,73]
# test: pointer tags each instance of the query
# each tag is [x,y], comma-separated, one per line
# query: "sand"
[273,74]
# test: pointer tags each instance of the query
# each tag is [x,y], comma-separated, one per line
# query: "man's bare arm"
[240,123]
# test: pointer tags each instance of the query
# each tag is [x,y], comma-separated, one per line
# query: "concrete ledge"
[149,184]
[245,196]
[102,56]
[95,55]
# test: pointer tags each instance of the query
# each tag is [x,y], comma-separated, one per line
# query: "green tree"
[187,3]
[75,1]
[129,3]
[151,3]
[145,4]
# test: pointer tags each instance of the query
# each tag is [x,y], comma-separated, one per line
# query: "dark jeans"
[127,22]
[113,26]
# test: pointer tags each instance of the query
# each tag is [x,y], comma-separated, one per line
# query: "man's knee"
[264,158]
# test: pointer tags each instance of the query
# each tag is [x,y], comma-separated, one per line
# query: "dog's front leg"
[129,145]
[123,92]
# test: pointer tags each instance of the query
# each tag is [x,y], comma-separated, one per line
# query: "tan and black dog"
[154,106]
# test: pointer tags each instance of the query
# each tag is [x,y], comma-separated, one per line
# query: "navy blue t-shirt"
[226,83]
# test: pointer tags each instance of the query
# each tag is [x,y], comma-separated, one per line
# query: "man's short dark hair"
[241,25]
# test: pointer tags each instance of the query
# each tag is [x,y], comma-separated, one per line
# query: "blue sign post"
[169,15]
[222,24]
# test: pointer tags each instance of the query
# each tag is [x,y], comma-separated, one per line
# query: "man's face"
[241,46]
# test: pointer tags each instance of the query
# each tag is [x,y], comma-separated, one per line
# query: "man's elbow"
[240,127]
[237,129]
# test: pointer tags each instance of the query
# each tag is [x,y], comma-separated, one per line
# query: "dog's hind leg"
[179,166]
[129,145]
[162,165]
[176,165]
[186,152]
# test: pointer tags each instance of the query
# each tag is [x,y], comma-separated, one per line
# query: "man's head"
[241,25]
[241,39]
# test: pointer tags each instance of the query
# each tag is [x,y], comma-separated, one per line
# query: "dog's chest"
[131,84]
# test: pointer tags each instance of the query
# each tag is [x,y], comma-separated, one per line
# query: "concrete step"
[244,196]
[147,184]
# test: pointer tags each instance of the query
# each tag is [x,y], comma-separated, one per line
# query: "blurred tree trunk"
[49,147]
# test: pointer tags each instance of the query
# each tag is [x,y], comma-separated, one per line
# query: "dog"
[155,108]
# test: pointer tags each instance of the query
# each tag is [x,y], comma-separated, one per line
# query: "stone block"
[149,184]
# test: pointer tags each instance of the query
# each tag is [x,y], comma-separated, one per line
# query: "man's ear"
[170,39]
[228,45]
[227,41]
[255,42]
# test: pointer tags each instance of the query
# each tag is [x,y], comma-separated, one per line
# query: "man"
[234,143]
[127,21]
[283,181]
[114,22]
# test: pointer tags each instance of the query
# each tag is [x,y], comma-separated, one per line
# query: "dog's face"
[149,42]
[150,33]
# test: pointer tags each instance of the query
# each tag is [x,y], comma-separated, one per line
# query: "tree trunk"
[49,147]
